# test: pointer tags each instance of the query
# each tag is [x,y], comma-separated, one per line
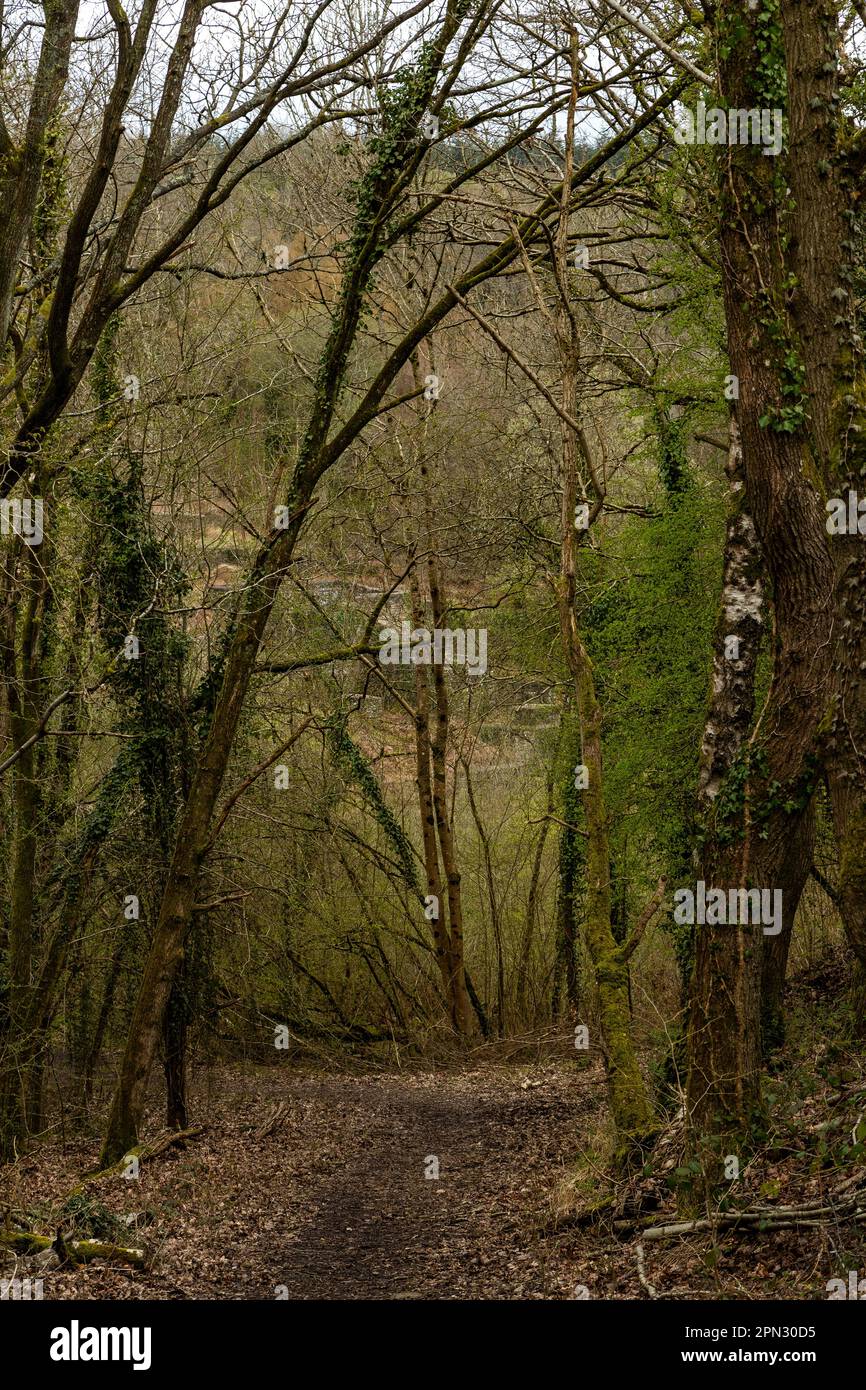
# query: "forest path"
[373,1225]
[333,1201]
[379,1227]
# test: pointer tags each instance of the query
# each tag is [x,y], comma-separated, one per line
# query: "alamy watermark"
[26,1290]
[714,126]
[729,907]
[854,1289]
[420,646]
[77,1343]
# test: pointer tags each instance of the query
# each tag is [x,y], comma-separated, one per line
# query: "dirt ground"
[340,1200]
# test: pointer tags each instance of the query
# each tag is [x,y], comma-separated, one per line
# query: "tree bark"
[768,789]
[827,165]
[438,924]
[444,829]
[525,954]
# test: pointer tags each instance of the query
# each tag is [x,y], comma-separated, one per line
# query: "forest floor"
[333,1202]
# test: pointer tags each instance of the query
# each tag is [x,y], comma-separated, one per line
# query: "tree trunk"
[794,871]
[827,168]
[174,1050]
[525,953]
[495,922]
[438,756]
[629,1100]
[767,789]
[439,923]
[20,1094]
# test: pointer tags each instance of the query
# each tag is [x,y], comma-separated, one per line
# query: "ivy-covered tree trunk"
[570,859]
[724,1003]
[525,953]
[630,1105]
[444,828]
[765,797]
[174,1052]
[21,167]
[737,636]
[629,1100]
[570,864]
[27,581]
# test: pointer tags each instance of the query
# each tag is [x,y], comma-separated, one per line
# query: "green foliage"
[91,1219]
[672,462]
[649,628]
[355,766]
[136,576]
[791,415]
[749,773]
[771,86]
[401,105]
[740,30]
[103,368]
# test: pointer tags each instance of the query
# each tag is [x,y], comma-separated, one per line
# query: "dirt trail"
[378,1226]
[334,1202]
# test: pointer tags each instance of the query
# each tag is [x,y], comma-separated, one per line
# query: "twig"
[791,1220]
[248,781]
[666,48]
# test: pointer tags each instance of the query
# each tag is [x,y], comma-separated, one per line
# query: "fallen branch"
[775,1219]
[177,1136]
[143,1152]
[79,1251]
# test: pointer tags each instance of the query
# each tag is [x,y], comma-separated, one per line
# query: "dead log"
[779,1219]
[79,1251]
[143,1152]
